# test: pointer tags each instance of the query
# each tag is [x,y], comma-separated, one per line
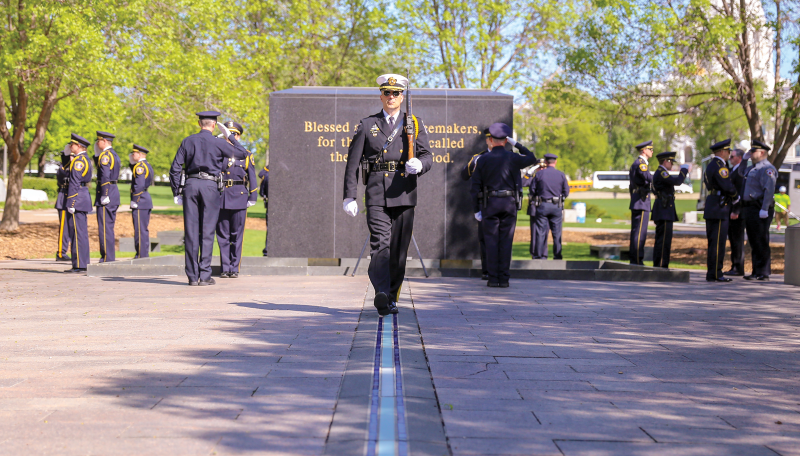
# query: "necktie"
[391,122]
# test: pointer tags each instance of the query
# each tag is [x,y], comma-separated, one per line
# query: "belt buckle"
[392,166]
[229,183]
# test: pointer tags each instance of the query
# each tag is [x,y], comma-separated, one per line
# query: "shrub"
[594,211]
[50,186]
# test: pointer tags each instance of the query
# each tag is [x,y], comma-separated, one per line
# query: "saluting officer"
[664,213]
[106,197]
[722,195]
[736,225]
[498,175]
[65,227]
[238,193]
[550,189]
[201,157]
[380,140]
[466,174]
[263,192]
[79,202]
[640,181]
[141,202]
[759,208]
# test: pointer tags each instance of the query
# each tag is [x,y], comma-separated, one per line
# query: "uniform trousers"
[201,202]
[106,218]
[736,238]
[548,218]
[80,239]
[266,235]
[532,214]
[717,234]
[230,237]
[65,228]
[639,221]
[663,245]
[758,237]
[482,243]
[499,221]
[390,230]
[141,232]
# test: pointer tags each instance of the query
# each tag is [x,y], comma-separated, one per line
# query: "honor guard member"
[200,158]
[664,213]
[79,202]
[640,181]
[736,225]
[466,174]
[141,202]
[65,227]
[527,181]
[722,195]
[498,174]
[106,197]
[239,193]
[759,208]
[263,192]
[380,146]
[550,189]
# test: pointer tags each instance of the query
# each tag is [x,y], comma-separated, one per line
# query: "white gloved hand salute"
[763,214]
[223,129]
[687,166]
[104,200]
[178,200]
[479,216]
[413,166]
[511,141]
[350,206]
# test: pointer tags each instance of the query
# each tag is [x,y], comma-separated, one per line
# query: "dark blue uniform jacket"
[640,180]
[62,179]
[721,191]
[108,167]
[80,172]
[142,179]
[549,183]
[240,167]
[263,189]
[200,152]
[499,170]
[664,186]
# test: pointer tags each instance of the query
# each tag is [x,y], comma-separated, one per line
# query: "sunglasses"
[387,93]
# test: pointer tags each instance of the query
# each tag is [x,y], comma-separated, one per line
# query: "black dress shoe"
[504,285]
[193,284]
[233,275]
[382,302]
[750,277]
[493,284]
[75,270]
[224,275]
[763,278]
[733,272]
[393,308]
[63,258]
[205,283]
[721,279]
[484,276]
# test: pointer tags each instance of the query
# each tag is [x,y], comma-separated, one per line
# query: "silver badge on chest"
[374,130]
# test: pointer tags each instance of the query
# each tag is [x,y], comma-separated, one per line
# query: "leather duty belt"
[231,182]
[386,166]
[109,183]
[202,175]
[500,193]
[553,200]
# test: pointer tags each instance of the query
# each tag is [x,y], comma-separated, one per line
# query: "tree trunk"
[42,160]
[10,222]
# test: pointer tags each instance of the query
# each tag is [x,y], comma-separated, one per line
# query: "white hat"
[392,81]
[782,189]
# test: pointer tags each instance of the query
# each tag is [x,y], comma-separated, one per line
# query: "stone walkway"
[256,365]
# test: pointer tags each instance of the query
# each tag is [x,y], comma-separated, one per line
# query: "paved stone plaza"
[263,365]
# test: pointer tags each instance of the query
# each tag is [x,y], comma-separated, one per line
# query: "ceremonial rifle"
[409,120]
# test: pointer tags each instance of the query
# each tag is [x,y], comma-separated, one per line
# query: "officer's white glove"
[251,203]
[763,214]
[746,156]
[736,201]
[178,200]
[478,216]
[530,171]
[350,206]
[413,166]
[511,141]
[71,210]
[134,205]
[223,129]
[104,200]
[686,166]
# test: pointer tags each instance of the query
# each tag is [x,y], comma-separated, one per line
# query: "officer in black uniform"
[640,181]
[527,181]
[65,227]
[381,143]
[200,157]
[736,225]
[79,202]
[466,174]
[550,189]
[759,208]
[664,213]
[263,192]
[722,195]
[106,198]
[141,202]
[498,175]
[238,194]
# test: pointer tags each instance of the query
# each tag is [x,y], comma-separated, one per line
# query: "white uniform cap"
[782,189]
[392,81]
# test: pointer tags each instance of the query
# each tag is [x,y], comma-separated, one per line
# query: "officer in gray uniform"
[64,222]
[759,208]
[550,188]
[664,213]
[722,196]
[640,180]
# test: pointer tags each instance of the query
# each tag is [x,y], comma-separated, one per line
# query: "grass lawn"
[578,251]
[253,245]
[609,209]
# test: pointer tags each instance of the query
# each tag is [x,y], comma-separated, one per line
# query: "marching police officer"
[466,174]
[722,195]
[141,202]
[736,225]
[200,157]
[498,175]
[65,227]
[527,181]
[380,145]
[78,201]
[263,192]
[238,193]
[664,213]
[106,197]
[759,208]
[550,188]
[640,181]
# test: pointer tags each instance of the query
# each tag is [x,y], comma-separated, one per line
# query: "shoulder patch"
[723,172]
[105,160]
[139,169]
[355,130]
[664,174]
[79,165]
[770,173]
[643,167]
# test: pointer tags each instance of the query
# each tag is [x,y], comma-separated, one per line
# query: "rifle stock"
[409,120]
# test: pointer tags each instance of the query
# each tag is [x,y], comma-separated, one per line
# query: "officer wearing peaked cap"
[106,198]
[466,174]
[380,146]
[736,225]
[200,159]
[759,208]
[141,202]
[78,201]
[550,189]
[722,196]
[640,181]
[498,175]
[664,213]
[65,227]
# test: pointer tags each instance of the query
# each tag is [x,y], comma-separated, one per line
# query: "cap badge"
[392,81]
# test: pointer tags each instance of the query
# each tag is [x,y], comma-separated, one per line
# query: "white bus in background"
[611,179]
